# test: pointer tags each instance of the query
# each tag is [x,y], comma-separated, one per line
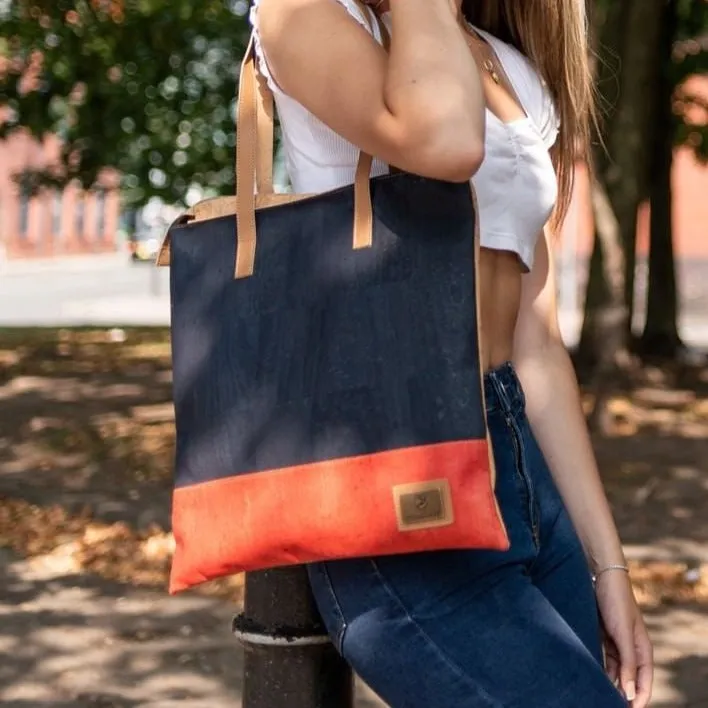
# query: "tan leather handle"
[246,155]
[254,167]
[265,112]
[266,136]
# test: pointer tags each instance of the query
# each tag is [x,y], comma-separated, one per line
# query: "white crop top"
[516,184]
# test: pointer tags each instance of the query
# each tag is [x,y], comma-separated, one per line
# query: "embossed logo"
[423,505]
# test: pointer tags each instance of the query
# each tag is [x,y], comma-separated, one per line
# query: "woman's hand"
[628,649]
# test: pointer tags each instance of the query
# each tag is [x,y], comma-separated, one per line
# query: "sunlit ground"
[86,445]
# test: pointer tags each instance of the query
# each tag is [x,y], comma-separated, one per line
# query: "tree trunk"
[628,33]
[608,23]
[610,325]
[660,337]
[596,296]
[630,140]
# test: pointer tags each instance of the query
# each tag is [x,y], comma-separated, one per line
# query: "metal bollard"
[289,659]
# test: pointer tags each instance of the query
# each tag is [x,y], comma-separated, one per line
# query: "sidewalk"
[63,264]
[85,424]
[83,642]
[108,290]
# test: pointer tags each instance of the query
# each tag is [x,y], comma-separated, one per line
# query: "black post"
[289,662]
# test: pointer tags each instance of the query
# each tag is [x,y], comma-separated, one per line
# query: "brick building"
[54,222]
[72,221]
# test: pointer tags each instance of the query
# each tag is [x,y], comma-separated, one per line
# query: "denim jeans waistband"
[502,390]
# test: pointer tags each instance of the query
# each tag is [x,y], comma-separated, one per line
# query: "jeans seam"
[533,505]
[428,639]
[339,639]
[551,530]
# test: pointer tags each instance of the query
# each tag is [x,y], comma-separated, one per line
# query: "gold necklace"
[487,64]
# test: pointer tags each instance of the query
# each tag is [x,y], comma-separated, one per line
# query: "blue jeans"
[474,629]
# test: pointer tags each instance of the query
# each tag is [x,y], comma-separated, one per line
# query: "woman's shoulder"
[357,10]
[360,12]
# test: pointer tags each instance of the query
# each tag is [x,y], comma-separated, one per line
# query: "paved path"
[82,642]
[109,290]
[91,290]
[71,641]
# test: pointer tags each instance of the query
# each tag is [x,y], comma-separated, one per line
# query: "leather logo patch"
[423,505]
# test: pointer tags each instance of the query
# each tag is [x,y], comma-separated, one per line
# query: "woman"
[496,91]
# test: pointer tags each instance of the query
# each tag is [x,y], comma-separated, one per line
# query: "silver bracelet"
[606,569]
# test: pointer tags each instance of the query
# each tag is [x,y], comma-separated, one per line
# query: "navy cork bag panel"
[331,404]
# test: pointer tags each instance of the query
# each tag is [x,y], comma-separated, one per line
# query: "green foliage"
[147,87]
[691,59]
[143,86]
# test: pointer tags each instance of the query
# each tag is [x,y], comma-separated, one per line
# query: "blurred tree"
[660,333]
[689,58]
[143,86]
[604,298]
[628,38]
[679,57]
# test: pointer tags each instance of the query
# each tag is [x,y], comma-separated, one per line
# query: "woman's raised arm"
[419,108]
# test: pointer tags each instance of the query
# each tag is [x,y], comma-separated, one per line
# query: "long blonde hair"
[553,35]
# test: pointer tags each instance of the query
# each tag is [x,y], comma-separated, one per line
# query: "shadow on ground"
[90,642]
[90,418]
[680,635]
[86,642]
[86,424]
[654,465]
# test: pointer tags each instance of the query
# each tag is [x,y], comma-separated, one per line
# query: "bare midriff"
[500,296]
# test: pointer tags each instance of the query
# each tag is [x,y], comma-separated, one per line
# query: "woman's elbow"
[462,163]
[452,163]
[451,151]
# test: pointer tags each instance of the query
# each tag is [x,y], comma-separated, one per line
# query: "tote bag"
[328,388]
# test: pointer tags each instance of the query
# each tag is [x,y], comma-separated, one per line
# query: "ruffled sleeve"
[349,5]
[538,102]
